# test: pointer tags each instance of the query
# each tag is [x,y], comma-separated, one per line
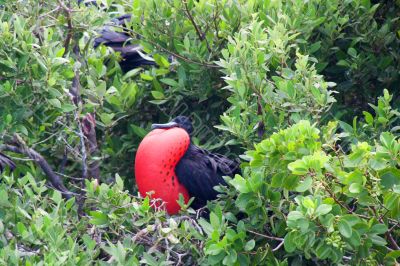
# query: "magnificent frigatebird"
[168,164]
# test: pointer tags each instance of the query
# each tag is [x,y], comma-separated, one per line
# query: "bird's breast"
[156,159]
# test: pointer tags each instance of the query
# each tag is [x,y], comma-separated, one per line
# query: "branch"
[278,246]
[89,130]
[53,178]
[74,91]
[6,161]
[388,234]
[69,25]
[392,241]
[266,236]
[201,35]
[187,60]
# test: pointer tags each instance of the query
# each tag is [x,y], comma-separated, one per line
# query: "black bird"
[168,148]
[119,41]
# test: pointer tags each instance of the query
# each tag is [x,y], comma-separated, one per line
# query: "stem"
[54,179]
[201,35]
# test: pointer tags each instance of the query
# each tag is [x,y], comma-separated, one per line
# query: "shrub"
[313,189]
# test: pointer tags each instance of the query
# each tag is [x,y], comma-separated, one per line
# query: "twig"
[83,151]
[89,130]
[388,234]
[335,199]
[392,241]
[53,178]
[201,35]
[266,236]
[64,160]
[68,12]
[278,246]
[393,227]
[187,60]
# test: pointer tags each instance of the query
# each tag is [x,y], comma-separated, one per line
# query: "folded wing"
[200,171]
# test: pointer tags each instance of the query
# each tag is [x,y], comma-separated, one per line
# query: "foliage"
[324,202]
[257,76]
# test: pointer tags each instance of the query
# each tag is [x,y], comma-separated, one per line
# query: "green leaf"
[294,215]
[215,223]
[60,52]
[378,229]
[352,52]
[289,242]
[355,239]
[146,77]
[158,95]
[351,219]
[304,185]
[206,226]
[55,102]
[323,209]
[355,188]
[231,258]
[323,251]
[393,254]
[106,118]
[240,184]
[161,60]
[56,196]
[250,245]
[390,177]
[170,82]
[298,167]
[67,107]
[345,228]
[368,118]
[131,73]
[140,132]
[377,240]
[22,229]
[98,218]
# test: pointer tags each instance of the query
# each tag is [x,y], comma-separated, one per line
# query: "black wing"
[6,161]
[120,42]
[200,171]
[109,36]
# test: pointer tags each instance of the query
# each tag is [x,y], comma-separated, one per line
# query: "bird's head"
[181,121]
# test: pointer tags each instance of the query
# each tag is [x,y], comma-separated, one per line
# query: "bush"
[258,76]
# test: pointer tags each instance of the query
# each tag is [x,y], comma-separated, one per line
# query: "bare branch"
[278,246]
[68,13]
[266,236]
[53,178]
[89,130]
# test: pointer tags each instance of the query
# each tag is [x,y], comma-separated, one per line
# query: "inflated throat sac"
[156,159]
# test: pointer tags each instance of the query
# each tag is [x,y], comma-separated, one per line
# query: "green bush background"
[304,92]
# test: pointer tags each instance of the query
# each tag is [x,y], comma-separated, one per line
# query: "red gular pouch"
[156,159]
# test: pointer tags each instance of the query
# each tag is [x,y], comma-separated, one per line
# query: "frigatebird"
[168,164]
[119,41]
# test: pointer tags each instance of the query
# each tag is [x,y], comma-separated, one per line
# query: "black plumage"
[120,41]
[199,170]
[6,161]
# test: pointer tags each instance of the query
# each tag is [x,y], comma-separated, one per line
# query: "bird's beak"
[167,125]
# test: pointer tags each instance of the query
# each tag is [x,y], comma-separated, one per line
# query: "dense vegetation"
[284,85]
